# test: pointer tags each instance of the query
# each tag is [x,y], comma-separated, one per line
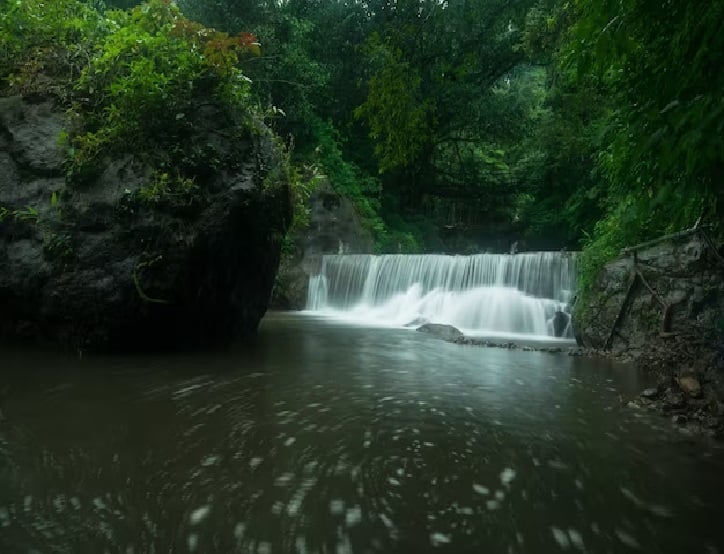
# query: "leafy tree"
[662,151]
[399,115]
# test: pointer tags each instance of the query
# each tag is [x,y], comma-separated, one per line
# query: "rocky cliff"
[658,292]
[661,306]
[334,228]
[125,260]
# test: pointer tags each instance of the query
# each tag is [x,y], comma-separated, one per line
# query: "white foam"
[438,539]
[507,476]
[199,514]
[480,489]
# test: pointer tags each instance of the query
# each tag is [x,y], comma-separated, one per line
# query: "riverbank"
[688,372]
[690,384]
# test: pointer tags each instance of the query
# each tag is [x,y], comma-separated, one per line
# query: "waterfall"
[485,294]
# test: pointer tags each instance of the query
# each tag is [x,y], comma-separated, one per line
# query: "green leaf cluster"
[164,187]
[661,149]
[397,112]
[133,81]
[44,45]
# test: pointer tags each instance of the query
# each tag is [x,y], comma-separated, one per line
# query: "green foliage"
[661,149]
[152,71]
[165,187]
[46,44]
[593,123]
[346,178]
[133,80]
[397,112]
[28,213]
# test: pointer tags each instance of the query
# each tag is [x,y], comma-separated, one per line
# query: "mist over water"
[484,294]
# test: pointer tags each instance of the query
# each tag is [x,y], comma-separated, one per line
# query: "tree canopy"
[453,126]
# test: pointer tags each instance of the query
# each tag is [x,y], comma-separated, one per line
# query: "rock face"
[686,276]
[664,310]
[98,267]
[560,323]
[334,228]
[442,331]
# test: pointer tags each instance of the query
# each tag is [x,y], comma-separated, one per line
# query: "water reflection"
[324,438]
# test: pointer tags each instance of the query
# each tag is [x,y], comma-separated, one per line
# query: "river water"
[320,436]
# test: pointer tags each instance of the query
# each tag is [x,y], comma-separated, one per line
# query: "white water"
[485,294]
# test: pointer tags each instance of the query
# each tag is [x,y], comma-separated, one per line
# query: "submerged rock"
[99,266]
[442,331]
[690,385]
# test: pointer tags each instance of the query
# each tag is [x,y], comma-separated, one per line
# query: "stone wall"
[673,288]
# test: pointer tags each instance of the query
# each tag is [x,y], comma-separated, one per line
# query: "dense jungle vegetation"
[452,125]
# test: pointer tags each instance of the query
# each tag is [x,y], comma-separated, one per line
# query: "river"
[323,436]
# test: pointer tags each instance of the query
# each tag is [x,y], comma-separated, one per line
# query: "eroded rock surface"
[335,227]
[96,266]
[663,310]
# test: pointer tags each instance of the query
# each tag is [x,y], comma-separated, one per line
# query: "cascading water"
[484,294]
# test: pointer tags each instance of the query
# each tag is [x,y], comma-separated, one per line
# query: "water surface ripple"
[321,437]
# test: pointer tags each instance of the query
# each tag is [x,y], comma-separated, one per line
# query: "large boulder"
[621,313]
[116,264]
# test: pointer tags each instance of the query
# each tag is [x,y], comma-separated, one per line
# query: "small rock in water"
[441,331]
[690,385]
[674,400]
